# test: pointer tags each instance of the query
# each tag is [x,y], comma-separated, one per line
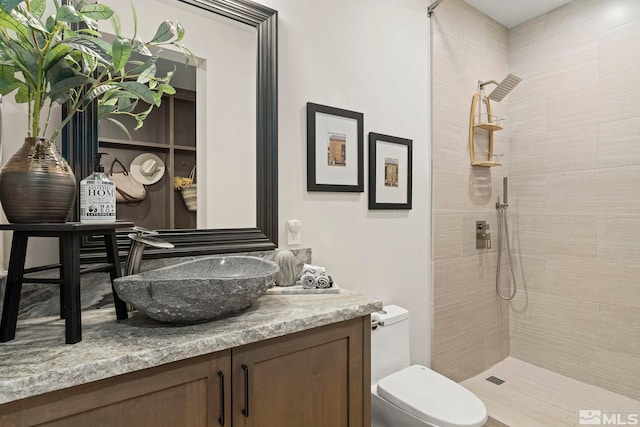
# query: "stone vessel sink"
[200,290]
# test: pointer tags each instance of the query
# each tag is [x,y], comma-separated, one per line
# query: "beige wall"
[470,322]
[575,164]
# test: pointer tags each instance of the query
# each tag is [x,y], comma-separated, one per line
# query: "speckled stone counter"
[38,361]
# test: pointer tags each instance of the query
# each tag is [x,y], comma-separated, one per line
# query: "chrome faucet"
[139,240]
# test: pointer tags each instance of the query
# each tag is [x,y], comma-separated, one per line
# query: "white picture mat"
[397,194]
[327,124]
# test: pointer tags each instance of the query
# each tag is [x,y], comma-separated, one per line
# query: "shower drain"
[495,380]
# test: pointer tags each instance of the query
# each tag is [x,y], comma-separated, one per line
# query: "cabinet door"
[186,393]
[314,378]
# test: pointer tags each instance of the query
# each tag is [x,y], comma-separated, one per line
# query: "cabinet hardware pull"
[221,419]
[245,411]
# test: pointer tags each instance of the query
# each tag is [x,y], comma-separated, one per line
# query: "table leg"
[111,245]
[60,250]
[72,306]
[13,286]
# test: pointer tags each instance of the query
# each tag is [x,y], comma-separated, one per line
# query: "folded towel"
[324,282]
[308,281]
[313,269]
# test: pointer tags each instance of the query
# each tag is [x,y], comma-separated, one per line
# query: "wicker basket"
[190,193]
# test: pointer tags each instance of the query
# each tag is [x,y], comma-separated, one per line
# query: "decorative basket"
[190,193]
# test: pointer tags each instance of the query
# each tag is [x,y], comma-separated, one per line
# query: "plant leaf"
[105,110]
[54,55]
[38,7]
[64,85]
[168,89]
[139,46]
[115,23]
[9,22]
[120,125]
[140,68]
[125,105]
[139,90]
[6,76]
[99,90]
[165,32]
[68,13]
[23,96]
[98,12]
[148,74]
[9,5]
[121,52]
[87,46]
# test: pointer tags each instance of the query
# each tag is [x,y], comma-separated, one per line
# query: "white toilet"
[413,396]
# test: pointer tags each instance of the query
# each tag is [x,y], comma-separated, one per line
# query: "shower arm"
[481,85]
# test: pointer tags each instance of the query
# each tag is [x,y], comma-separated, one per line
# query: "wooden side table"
[69,235]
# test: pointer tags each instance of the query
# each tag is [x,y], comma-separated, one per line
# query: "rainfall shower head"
[503,88]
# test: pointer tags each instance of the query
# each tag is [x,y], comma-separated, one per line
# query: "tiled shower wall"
[574,126]
[470,323]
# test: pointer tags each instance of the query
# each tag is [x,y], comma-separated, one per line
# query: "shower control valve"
[483,238]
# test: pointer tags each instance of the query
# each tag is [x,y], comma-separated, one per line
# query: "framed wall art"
[390,172]
[335,158]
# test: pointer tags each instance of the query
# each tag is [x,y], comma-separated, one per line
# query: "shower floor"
[532,396]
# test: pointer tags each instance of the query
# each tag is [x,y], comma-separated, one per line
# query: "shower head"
[503,88]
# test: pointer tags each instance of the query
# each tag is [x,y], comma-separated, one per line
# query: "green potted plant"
[62,58]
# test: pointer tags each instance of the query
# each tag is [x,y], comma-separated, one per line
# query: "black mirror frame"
[80,143]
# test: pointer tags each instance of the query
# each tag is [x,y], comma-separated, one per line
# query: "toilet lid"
[431,397]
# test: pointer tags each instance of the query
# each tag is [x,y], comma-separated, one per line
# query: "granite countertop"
[38,361]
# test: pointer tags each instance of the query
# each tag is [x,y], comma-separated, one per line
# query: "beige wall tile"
[528,345]
[447,236]
[557,317]
[594,279]
[619,143]
[619,329]
[619,237]
[461,362]
[554,234]
[462,279]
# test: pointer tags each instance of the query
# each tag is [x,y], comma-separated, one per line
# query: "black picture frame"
[315,184]
[389,198]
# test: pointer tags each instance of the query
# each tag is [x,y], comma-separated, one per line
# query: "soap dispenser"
[97,196]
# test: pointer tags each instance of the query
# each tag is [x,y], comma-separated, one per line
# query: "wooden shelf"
[478,100]
[184,148]
[173,121]
[486,164]
[130,143]
[488,126]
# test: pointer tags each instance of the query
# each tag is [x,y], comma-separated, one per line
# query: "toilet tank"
[389,342]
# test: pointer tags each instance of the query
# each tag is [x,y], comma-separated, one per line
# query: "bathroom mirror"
[80,139]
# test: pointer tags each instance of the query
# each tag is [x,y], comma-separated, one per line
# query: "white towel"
[323,282]
[309,281]
[313,269]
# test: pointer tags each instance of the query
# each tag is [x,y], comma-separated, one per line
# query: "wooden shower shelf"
[488,126]
[486,164]
[478,100]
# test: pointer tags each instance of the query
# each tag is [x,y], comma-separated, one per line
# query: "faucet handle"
[141,231]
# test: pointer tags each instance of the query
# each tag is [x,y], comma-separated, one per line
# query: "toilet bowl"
[404,395]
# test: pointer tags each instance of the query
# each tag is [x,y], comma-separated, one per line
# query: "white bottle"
[97,196]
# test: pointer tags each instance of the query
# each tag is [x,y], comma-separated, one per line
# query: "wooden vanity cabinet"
[184,393]
[315,378]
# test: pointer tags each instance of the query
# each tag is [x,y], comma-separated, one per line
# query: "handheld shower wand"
[503,229]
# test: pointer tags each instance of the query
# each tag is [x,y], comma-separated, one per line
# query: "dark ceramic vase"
[37,184]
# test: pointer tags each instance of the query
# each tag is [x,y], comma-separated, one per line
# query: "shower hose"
[503,229]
